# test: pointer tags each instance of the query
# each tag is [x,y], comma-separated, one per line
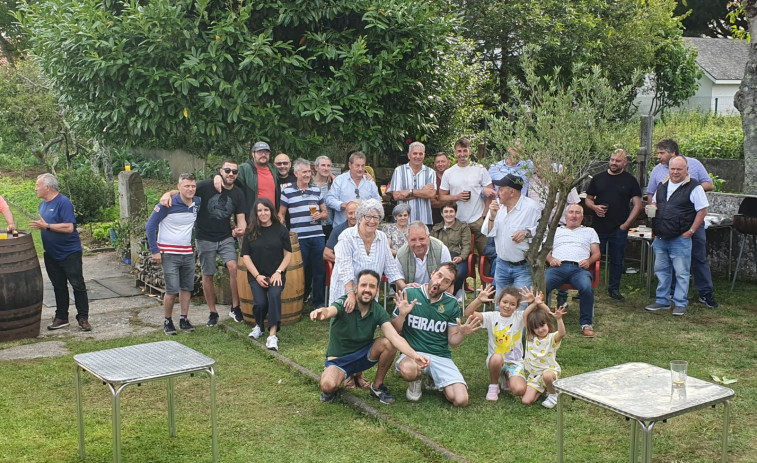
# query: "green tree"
[707,17]
[620,37]
[12,40]
[565,122]
[676,74]
[211,75]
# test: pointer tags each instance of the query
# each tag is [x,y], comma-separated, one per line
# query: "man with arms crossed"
[429,319]
[609,195]
[169,237]
[352,348]
[413,184]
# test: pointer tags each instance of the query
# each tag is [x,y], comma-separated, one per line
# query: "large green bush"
[87,191]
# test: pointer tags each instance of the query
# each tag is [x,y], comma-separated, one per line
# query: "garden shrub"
[721,144]
[87,191]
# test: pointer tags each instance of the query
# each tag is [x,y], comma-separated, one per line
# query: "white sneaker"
[272,343]
[550,401]
[414,391]
[256,332]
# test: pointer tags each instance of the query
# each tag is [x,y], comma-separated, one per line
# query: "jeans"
[615,249]
[62,272]
[699,266]
[580,279]
[462,273]
[315,275]
[266,302]
[672,255]
[506,274]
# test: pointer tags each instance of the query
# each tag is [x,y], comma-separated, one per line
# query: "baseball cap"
[513,181]
[260,146]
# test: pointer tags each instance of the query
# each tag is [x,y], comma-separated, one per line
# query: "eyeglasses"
[230,171]
[282,163]
[371,218]
[357,193]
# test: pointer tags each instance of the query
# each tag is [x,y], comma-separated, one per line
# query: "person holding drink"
[306,209]
[266,251]
[6,212]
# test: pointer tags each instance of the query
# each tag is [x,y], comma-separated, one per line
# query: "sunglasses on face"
[230,171]
[282,163]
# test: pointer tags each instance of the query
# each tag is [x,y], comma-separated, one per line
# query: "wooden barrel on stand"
[291,297]
[20,288]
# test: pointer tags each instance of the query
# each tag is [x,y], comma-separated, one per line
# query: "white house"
[722,62]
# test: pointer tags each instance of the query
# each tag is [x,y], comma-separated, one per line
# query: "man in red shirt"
[257,178]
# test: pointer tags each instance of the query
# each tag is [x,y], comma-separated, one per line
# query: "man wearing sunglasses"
[215,236]
[257,178]
[283,166]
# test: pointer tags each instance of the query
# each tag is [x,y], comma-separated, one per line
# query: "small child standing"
[541,348]
[505,329]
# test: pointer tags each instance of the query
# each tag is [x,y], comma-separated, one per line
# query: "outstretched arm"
[324,313]
[558,314]
[484,297]
[399,342]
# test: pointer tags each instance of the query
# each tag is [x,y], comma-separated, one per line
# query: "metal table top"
[641,391]
[143,362]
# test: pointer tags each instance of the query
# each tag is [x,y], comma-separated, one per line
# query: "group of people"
[443,214]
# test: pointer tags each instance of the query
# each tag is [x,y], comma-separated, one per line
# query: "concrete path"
[117,309]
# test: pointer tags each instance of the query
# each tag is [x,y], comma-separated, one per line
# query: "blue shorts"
[443,370]
[355,362]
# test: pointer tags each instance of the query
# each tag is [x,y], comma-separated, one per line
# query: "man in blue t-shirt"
[63,251]
[352,348]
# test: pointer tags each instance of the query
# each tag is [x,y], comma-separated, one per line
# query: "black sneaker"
[382,394]
[709,301]
[168,327]
[615,294]
[236,314]
[212,319]
[185,325]
[327,397]
[57,324]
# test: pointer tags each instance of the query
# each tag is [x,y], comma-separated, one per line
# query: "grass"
[264,419]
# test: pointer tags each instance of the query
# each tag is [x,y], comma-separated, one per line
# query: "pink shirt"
[266,187]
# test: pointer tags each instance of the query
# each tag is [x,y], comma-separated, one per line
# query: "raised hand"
[471,325]
[527,294]
[559,312]
[403,305]
[485,296]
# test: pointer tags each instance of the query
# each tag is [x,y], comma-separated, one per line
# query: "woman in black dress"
[266,251]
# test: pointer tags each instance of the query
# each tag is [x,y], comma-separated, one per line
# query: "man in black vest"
[678,207]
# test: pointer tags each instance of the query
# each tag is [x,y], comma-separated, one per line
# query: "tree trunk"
[745,101]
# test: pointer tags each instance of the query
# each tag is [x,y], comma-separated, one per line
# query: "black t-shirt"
[216,209]
[616,191]
[267,251]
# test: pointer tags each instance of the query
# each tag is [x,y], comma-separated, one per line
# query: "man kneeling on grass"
[352,348]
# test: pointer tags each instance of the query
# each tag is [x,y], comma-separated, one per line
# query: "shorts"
[179,272]
[207,251]
[353,363]
[443,370]
[510,369]
[536,379]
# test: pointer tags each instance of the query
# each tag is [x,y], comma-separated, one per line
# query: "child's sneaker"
[550,401]
[493,393]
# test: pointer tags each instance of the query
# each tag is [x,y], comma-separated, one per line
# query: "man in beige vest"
[422,255]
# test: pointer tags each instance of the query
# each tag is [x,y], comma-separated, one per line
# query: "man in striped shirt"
[306,208]
[169,236]
[414,184]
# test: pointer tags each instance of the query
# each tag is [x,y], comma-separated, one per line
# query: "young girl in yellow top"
[541,348]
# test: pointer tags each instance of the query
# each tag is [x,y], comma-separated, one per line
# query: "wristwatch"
[279,271]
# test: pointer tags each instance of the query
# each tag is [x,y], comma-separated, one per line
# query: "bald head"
[678,169]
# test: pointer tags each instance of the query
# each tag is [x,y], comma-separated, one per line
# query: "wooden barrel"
[291,297]
[20,289]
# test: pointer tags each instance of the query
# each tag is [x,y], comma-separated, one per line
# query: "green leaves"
[294,73]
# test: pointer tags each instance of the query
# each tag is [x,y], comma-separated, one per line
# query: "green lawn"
[271,413]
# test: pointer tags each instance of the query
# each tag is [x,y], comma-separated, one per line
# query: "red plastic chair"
[484,279]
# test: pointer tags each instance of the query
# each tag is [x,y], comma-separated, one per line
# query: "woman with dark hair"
[266,251]
[456,235]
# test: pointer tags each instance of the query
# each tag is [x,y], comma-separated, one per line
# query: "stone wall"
[730,170]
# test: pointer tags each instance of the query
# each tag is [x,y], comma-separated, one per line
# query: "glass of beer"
[313,211]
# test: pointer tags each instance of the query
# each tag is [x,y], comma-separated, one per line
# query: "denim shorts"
[207,251]
[442,370]
[355,362]
[179,272]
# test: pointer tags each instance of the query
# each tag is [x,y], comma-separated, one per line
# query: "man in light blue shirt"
[352,185]
[667,149]
[512,164]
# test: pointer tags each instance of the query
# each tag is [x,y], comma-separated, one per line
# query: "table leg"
[726,421]
[634,438]
[116,417]
[79,413]
[560,401]
[647,457]
[213,414]
[171,416]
